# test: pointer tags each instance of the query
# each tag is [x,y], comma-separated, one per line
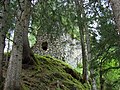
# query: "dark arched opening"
[44,46]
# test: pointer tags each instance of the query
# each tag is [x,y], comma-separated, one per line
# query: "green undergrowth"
[51,74]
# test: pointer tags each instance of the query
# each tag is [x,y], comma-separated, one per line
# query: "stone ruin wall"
[64,48]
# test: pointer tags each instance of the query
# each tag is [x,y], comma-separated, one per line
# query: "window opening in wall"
[44,46]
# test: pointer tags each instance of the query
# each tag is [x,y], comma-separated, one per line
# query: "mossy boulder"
[51,74]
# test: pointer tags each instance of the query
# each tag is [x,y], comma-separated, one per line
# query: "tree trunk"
[80,13]
[101,78]
[28,56]
[13,79]
[89,59]
[116,11]
[3,31]
[93,81]
[2,44]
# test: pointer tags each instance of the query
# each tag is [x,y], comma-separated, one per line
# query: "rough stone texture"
[63,47]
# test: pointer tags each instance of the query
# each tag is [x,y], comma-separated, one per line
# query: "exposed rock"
[63,47]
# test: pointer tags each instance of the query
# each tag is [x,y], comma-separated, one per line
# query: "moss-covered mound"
[51,74]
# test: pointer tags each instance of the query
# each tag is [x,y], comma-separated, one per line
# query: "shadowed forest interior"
[59,45]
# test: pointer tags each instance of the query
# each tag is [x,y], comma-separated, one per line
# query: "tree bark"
[80,16]
[3,31]
[89,59]
[2,44]
[13,79]
[101,75]
[116,11]
[28,56]
[93,81]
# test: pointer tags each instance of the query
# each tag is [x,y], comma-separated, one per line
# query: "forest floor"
[50,74]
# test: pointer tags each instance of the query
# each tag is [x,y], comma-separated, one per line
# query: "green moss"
[52,74]
[25,87]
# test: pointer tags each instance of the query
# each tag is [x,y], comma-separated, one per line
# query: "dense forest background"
[94,23]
